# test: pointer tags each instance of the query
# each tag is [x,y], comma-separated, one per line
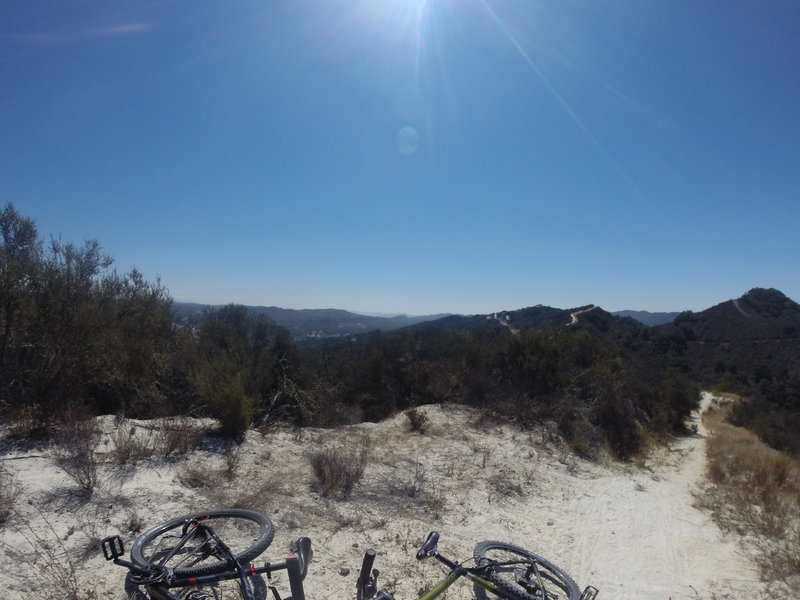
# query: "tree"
[20,262]
[72,331]
[247,365]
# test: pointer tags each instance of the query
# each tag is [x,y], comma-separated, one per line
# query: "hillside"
[737,343]
[330,322]
[759,315]
[751,346]
[632,531]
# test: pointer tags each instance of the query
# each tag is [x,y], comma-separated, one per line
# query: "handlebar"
[367,582]
[429,547]
[304,555]
[366,567]
[297,567]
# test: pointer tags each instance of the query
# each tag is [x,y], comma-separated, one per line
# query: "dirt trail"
[638,535]
[574,316]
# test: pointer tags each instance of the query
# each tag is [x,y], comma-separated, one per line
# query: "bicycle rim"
[524,575]
[189,552]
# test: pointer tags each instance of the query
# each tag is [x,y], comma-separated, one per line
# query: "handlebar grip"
[366,567]
[429,546]
[304,554]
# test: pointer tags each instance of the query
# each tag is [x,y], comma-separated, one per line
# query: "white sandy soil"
[631,530]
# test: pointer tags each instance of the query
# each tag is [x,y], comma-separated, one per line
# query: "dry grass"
[9,495]
[49,568]
[232,456]
[755,490]
[78,438]
[131,443]
[170,437]
[337,471]
[417,419]
[197,475]
[179,436]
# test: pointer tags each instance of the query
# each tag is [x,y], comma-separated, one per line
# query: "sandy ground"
[630,530]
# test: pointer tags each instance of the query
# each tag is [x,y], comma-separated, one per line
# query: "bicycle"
[188,554]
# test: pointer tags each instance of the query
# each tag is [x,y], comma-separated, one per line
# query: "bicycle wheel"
[522,574]
[246,532]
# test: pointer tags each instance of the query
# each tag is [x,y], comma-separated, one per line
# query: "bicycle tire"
[539,573]
[247,533]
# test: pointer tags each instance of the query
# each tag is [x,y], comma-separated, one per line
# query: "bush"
[197,476]
[417,419]
[234,411]
[130,442]
[78,437]
[337,471]
[178,435]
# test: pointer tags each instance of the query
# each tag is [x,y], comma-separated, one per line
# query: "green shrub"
[233,409]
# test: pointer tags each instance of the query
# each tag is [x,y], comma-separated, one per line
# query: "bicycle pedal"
[113,547]
[590,593]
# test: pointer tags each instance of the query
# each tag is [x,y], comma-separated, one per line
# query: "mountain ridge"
[307,323]
[762,305]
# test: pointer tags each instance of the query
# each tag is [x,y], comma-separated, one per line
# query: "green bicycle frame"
[451,578]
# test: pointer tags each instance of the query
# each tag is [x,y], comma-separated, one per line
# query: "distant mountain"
[751,346]
[738,343]
[589,317]
[648,318]
[760,315]
[329,322]
[535,317]
[307,323]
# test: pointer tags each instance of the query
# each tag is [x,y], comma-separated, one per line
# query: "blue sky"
[413,156]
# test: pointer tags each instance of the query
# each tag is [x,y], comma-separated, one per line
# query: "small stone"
[344,571]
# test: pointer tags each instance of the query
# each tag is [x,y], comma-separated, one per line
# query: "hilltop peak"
[768,303]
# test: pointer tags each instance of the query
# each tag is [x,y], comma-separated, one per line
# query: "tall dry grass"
[9,495]
[78,437]
[754,490]
[337,470]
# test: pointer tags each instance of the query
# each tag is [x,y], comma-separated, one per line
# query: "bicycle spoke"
[190,547]
[523,575]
